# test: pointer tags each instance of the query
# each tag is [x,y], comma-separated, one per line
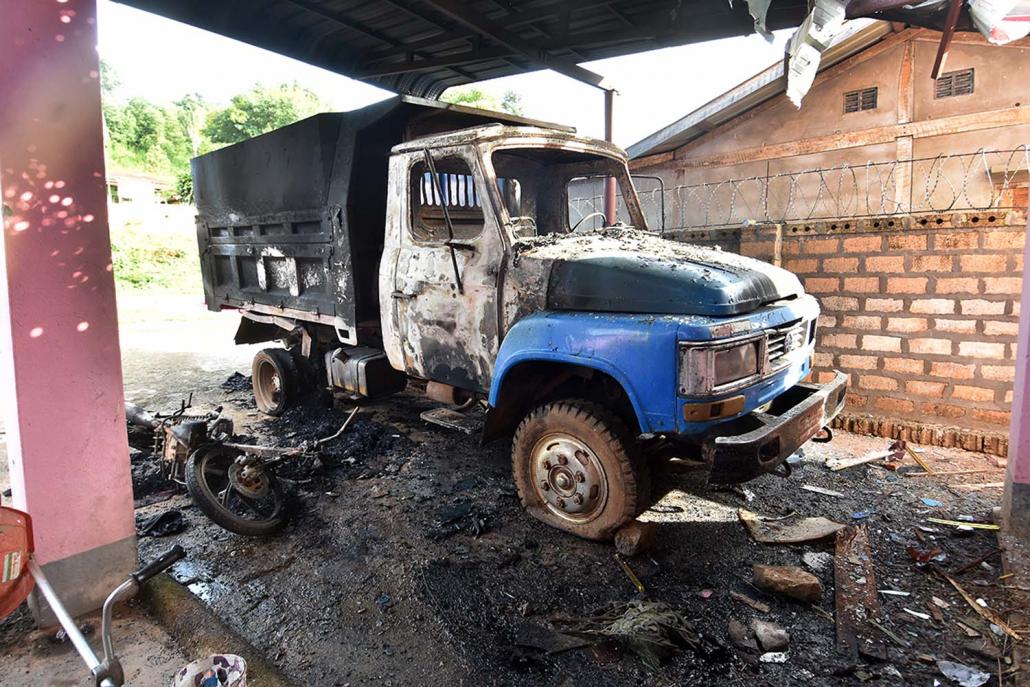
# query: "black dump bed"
[291,223]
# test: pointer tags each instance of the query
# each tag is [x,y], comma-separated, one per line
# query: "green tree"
[109,81]
[511,102]
[260,110]
[192,112]
[473,96]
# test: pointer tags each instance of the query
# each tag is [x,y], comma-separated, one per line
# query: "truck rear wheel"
[576,468]
[275,380]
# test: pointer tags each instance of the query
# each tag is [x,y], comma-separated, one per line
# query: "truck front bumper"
[759,442]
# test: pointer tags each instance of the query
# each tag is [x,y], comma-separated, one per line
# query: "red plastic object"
[15,547]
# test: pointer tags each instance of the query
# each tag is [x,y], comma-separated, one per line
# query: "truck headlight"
[716,368]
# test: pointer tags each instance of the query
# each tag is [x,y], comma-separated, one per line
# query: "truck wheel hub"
[569,478]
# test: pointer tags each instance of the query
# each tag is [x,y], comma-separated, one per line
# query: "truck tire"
[275,380]
[576,468]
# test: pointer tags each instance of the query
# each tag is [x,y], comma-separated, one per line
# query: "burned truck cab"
[494,288]
[413,240]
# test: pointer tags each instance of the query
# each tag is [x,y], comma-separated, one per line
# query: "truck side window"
[458,188]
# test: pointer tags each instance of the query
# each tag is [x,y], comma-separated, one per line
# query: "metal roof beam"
[488,28]
[380,68]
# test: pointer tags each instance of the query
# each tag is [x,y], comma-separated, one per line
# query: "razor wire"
[967,182]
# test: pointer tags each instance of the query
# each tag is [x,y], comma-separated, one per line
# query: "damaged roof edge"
[767,84]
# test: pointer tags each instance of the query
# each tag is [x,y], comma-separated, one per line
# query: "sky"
[162,60]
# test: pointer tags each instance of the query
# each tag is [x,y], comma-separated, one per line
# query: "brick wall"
[921,312]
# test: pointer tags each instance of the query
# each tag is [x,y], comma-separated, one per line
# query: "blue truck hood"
[629,271]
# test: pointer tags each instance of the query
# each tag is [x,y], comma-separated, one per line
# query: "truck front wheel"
[576,468]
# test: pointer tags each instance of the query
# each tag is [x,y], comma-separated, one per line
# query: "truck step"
[467,423]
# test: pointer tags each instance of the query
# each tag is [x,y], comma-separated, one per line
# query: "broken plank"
[977,487]
[963,523]
[856,596]
[844,464]
[918,460]
[748,601]
[945,473]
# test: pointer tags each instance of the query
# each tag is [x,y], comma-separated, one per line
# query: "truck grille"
[783,340]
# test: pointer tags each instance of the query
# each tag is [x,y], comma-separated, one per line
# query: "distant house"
[138,188]
[871,112]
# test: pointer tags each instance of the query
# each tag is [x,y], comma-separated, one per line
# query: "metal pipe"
[610,208]
[127,588]
[67,622]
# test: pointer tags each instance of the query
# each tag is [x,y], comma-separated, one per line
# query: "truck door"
[445,281]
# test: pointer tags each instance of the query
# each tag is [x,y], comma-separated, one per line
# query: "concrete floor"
[148,654]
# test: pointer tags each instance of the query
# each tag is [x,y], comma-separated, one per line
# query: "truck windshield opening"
[558,191]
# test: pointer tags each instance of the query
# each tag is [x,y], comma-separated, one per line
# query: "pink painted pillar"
[60,369]
[1015,507]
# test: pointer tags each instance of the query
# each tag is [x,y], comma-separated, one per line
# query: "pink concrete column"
[60,370]
[1016,503]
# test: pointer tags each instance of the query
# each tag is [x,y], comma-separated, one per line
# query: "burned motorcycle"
[233,483]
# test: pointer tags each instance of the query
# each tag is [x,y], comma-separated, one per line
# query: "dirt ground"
[366,586]
[370,584]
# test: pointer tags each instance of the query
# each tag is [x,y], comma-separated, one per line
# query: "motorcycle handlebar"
[159,564]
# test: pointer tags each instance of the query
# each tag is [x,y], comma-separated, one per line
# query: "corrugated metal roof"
[766,84]
[421,47]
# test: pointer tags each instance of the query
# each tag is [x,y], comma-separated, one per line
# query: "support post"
[610,201]
[1015,506]
[60,365]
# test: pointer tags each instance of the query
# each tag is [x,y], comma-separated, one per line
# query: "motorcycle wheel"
[250,503]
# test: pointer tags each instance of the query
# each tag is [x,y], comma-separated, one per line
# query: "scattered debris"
[775,532]
[817,560]
[790,581]
[916,614]
[943,473]
[460,517]
[984,612]
[636,538]
[977,487]
[384,601]
[748,601]
[770,636]
[534,636]
[630,574]
[964,675]
[856,598]
[773,657]
[820,490]
[650,629]
[466,423]
[932,503]
[894,592]
[741,635]
[862,514]
[915,456]
[922,557]
[163,524]
[893,455]
[977,561]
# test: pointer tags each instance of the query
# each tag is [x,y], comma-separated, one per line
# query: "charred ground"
[409,561]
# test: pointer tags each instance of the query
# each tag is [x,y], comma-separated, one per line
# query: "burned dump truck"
[413,240]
